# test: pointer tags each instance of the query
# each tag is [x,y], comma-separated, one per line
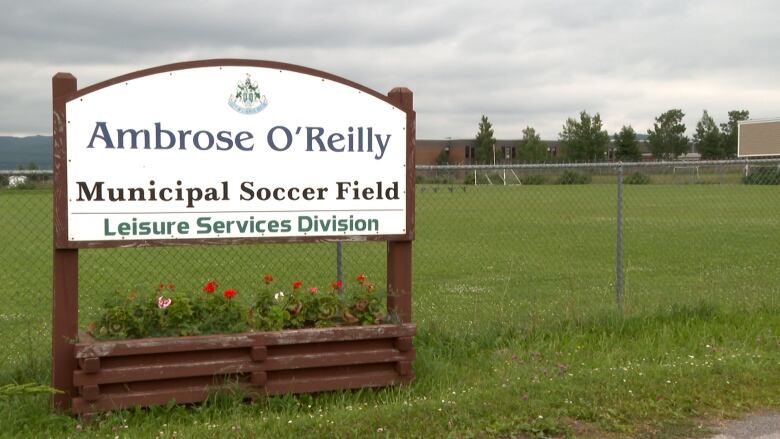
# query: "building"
[461,151]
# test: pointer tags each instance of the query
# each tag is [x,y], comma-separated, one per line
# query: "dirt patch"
[762,425]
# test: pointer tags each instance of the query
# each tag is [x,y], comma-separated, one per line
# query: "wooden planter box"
[127,373]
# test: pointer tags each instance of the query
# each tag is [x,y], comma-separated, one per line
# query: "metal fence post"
[619,241]
[339,266]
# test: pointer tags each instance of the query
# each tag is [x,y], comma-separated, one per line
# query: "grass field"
[518,331]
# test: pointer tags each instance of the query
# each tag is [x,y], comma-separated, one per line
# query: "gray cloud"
[518,62]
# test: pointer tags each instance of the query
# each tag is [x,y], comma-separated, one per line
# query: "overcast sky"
[520,63]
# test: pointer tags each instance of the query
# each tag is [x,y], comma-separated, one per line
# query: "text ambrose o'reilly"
[279,138]
[250,226]
[99,191]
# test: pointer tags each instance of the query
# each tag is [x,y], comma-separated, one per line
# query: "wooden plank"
[343,333]
[309,360]
[165,344]
[319,372]
[226,341]
[164,371]
[332,346]
[204,381]
[174,358]
[335,382]
[185,395]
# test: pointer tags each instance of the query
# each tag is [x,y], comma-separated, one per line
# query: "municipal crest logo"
[247,99]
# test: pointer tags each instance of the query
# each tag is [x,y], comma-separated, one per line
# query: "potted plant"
[152,347]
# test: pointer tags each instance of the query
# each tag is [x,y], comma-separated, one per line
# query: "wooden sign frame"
[65,333]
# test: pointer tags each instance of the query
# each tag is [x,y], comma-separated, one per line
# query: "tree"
[584,140]
[667,138]
[729,131]
[626,145]
[707,138]
[531,149]
[484,148]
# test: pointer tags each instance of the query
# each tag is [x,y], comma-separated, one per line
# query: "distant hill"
[15,151]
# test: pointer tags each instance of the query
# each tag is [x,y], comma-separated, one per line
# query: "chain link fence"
[563,240]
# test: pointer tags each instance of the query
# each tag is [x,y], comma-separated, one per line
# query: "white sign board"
[234,152]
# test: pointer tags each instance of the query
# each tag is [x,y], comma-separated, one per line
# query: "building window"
[507,151]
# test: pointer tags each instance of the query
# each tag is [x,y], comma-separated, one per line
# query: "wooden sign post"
[256,119]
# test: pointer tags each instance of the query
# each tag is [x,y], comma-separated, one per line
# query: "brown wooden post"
[399,253]
[65,307]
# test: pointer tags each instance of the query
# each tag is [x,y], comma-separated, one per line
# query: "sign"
[234,152]
[223,152]
[758,138]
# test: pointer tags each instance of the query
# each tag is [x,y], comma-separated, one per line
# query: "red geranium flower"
[297,284]
[268,279]
[361,278]
[313,290]
[171,286]
[370,286]
[337,284]
[161,286]
[210,287]
[229,293]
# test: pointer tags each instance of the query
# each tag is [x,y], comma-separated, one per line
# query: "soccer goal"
[689,173]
